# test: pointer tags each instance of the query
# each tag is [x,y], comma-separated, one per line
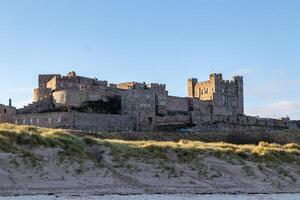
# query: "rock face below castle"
[90,104]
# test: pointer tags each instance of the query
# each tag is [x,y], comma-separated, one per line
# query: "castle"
[89,104]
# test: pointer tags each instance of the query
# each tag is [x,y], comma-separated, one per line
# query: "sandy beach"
[52,174]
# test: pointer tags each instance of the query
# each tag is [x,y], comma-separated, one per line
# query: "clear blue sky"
[164,41]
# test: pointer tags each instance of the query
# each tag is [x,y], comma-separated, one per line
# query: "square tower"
[224,93]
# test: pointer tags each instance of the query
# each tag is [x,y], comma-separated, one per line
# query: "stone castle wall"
[177,104]
[7,113]
[75,98]
[76,120]
[89,104]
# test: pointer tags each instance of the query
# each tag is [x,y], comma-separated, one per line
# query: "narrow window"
[5,111]
[50,120]
[150,120]
[37,121]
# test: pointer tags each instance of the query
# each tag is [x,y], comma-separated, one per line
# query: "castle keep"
[81,103]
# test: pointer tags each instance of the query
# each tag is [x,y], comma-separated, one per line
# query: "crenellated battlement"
[49,83]
[157,86]
[131,85]
[143,85]
[238,78]
[227,93]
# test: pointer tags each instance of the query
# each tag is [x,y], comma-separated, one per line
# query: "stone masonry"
[82,103]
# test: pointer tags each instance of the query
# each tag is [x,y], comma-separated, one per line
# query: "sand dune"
[46,171]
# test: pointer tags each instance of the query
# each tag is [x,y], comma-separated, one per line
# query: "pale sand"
[210,176]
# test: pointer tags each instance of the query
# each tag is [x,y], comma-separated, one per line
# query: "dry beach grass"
[55,160]
[13,137]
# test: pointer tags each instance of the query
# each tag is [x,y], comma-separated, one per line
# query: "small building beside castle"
[82,103]
[7,113]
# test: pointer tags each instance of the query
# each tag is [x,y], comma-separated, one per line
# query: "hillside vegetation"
[40,160]
[14,137]
[250,137]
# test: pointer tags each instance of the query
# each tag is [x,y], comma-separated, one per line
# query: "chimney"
[9,103]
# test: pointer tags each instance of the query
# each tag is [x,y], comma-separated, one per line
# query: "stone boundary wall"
[242,123]
[77,121]
[49,120]
[114,122]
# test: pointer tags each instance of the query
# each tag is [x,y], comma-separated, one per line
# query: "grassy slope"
[251,137]
[13,138]
[188,162]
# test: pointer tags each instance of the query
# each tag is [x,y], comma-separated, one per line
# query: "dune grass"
[12,137]
[245,137]
[188,150]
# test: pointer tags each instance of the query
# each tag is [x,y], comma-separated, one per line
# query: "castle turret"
[215,87]
[191,87]
[240,94]
[42,91]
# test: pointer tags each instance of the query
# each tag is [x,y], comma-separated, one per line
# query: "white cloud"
[277,109]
